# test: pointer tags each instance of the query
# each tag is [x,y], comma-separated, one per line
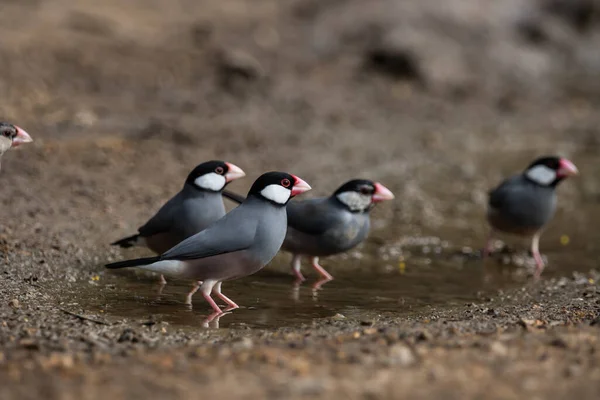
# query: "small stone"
[499,349]
[128,335]
[14,303]
[29,344]
[243,344]
[402,355]
[423,336]
[338,317]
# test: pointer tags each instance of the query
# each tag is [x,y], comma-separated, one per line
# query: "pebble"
[402,355]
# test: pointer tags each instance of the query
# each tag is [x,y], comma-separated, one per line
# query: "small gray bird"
[525,203]
[330,225]
[237,245]
[195,207]
[12,136]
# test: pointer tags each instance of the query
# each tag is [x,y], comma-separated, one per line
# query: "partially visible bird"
[330,225]
[237,245]
[198,204]
[525,203]
[12,136]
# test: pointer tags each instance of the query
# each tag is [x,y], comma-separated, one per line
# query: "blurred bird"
[330,225]
[237,245]
[197,205]
[12,136]
[525,203]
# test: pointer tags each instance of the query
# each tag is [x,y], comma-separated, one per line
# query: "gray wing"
[313,217]
[163,219]
[503,195]
[234,232]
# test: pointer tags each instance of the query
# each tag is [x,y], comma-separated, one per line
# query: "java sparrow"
[330,225]
[12,136]
[197,205]
[525,203]
[237,245]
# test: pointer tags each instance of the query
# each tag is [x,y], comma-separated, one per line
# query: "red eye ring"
[219,170]
[365,190]
[285,182]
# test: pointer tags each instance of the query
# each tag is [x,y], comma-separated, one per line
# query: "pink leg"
[539,262]
[188,299]
[230,303]
[320,270]
[318,284]
[487,250]
[207,287]
[162,280]
[296,265]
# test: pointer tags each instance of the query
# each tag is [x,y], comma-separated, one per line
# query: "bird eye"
[219,170]
[285,182]
[365,190]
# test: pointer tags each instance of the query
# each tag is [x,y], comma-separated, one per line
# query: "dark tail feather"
[133,263]
[127,242]
[233,196]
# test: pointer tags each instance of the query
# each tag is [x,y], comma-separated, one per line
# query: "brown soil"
[437,101]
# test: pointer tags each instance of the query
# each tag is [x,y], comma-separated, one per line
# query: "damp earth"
[438,102]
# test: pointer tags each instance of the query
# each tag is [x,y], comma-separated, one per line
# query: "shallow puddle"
[379,280]
[270,299]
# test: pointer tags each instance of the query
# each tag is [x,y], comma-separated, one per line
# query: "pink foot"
[217,290]
[539,265]
[326,275]
[162,280]
[318,284]
[487,250]
[188,299]
[212,303]
[228,301]
[296,265]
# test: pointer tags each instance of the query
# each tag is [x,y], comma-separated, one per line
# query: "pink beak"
[299,186]
[21,138]
[234,172]
[381,193]
[567,168]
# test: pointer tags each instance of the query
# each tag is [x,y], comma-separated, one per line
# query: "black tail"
[127,242]
[133,263]
[233,196]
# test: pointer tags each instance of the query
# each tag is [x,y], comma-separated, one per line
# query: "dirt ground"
[436,100]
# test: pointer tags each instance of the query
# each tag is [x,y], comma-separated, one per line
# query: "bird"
[329,225]
[523,204]
[12,136]
[237,245]
[198,204]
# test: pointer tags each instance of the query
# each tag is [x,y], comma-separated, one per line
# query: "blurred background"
[438,100]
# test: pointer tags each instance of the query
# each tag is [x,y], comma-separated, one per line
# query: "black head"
[550,170]
[360,195]
[278,187]
[214,175]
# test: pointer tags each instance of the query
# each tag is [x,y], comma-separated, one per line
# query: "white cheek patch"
[276,193]
[211,181]
[355,201]
[541,174]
